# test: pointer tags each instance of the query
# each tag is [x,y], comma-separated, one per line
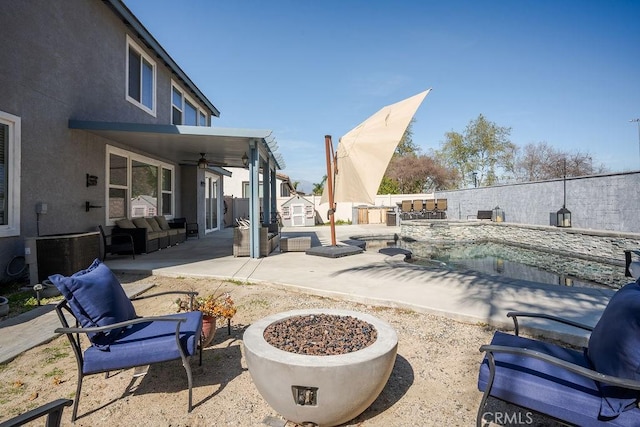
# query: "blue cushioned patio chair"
[118,337]
[596,386]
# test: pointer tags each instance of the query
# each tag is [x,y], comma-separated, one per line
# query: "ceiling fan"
[203,163]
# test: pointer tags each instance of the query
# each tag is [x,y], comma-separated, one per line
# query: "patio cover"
[223,147]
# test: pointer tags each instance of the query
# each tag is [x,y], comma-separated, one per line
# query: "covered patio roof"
[222,147]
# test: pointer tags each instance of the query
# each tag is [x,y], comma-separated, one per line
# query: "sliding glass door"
[211,202]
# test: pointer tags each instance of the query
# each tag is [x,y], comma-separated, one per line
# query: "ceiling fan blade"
[203,159]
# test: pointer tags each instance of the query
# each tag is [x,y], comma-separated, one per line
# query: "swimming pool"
[508,261]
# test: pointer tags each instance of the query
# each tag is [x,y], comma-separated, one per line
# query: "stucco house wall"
[65,60]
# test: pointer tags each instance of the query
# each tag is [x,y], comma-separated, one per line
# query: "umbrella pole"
[329,148]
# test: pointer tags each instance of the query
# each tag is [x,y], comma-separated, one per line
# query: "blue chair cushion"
[542,387]
[96,298]
[145,344]
[614,348]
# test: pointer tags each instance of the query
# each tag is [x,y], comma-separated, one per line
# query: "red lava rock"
[321,334]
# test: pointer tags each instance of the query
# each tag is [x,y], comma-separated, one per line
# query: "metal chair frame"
[73,334]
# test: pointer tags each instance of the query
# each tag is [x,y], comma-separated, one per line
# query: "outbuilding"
[298,212]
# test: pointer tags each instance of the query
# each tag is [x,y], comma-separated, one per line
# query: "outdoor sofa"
[151,233]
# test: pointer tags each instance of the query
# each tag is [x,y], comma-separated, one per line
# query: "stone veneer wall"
[602,246]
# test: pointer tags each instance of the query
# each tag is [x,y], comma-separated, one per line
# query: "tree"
[540,161]
[388,185]
[319,187]
[412,172]
[484,148]
[419,174]
[406,146]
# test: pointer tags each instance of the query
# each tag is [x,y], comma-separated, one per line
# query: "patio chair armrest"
[120,324]
[514,315]
[52,409]
[572,367]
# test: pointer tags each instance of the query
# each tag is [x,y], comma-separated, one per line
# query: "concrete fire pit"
[322,390]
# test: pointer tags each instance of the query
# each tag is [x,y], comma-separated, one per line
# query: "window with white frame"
[167,191]
[176,106]
[141,78]
[10,137]
[184,110]
[246,190]
[138,186]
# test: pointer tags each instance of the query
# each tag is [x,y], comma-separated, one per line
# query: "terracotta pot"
[208,330]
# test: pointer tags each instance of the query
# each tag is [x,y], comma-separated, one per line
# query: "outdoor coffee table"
[295,244]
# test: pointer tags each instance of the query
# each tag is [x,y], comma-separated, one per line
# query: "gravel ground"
[433,381]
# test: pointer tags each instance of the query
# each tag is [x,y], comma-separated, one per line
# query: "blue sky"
[564,72]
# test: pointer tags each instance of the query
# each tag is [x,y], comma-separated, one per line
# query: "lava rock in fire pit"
[320,334]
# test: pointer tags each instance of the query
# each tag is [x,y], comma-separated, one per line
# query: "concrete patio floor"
[370,277]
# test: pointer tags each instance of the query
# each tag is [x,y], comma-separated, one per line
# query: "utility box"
[60,254]
[392,218]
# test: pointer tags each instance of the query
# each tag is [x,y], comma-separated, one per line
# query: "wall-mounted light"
[245,160]
[497,214]
[564,215]
[202,162]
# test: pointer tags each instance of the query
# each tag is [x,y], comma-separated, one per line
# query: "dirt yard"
[433,382]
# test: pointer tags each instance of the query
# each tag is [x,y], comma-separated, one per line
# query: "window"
[118,187]
[138,186]
[144,189]
[141,78]
[184,110]
[284,190]
[176,106]
[190,114]
[246,192]
[9,175]
[167,191]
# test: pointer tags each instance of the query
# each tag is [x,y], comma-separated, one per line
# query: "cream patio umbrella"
[364,153]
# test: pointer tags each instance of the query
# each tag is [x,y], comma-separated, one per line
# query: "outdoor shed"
[298,212]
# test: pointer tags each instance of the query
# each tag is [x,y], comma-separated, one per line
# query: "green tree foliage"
[484,148]
[388,186]
[318,187]
[406,146]
[409,171]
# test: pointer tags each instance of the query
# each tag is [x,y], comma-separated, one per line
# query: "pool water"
[509,261]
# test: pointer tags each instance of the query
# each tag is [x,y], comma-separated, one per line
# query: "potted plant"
[213,306]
